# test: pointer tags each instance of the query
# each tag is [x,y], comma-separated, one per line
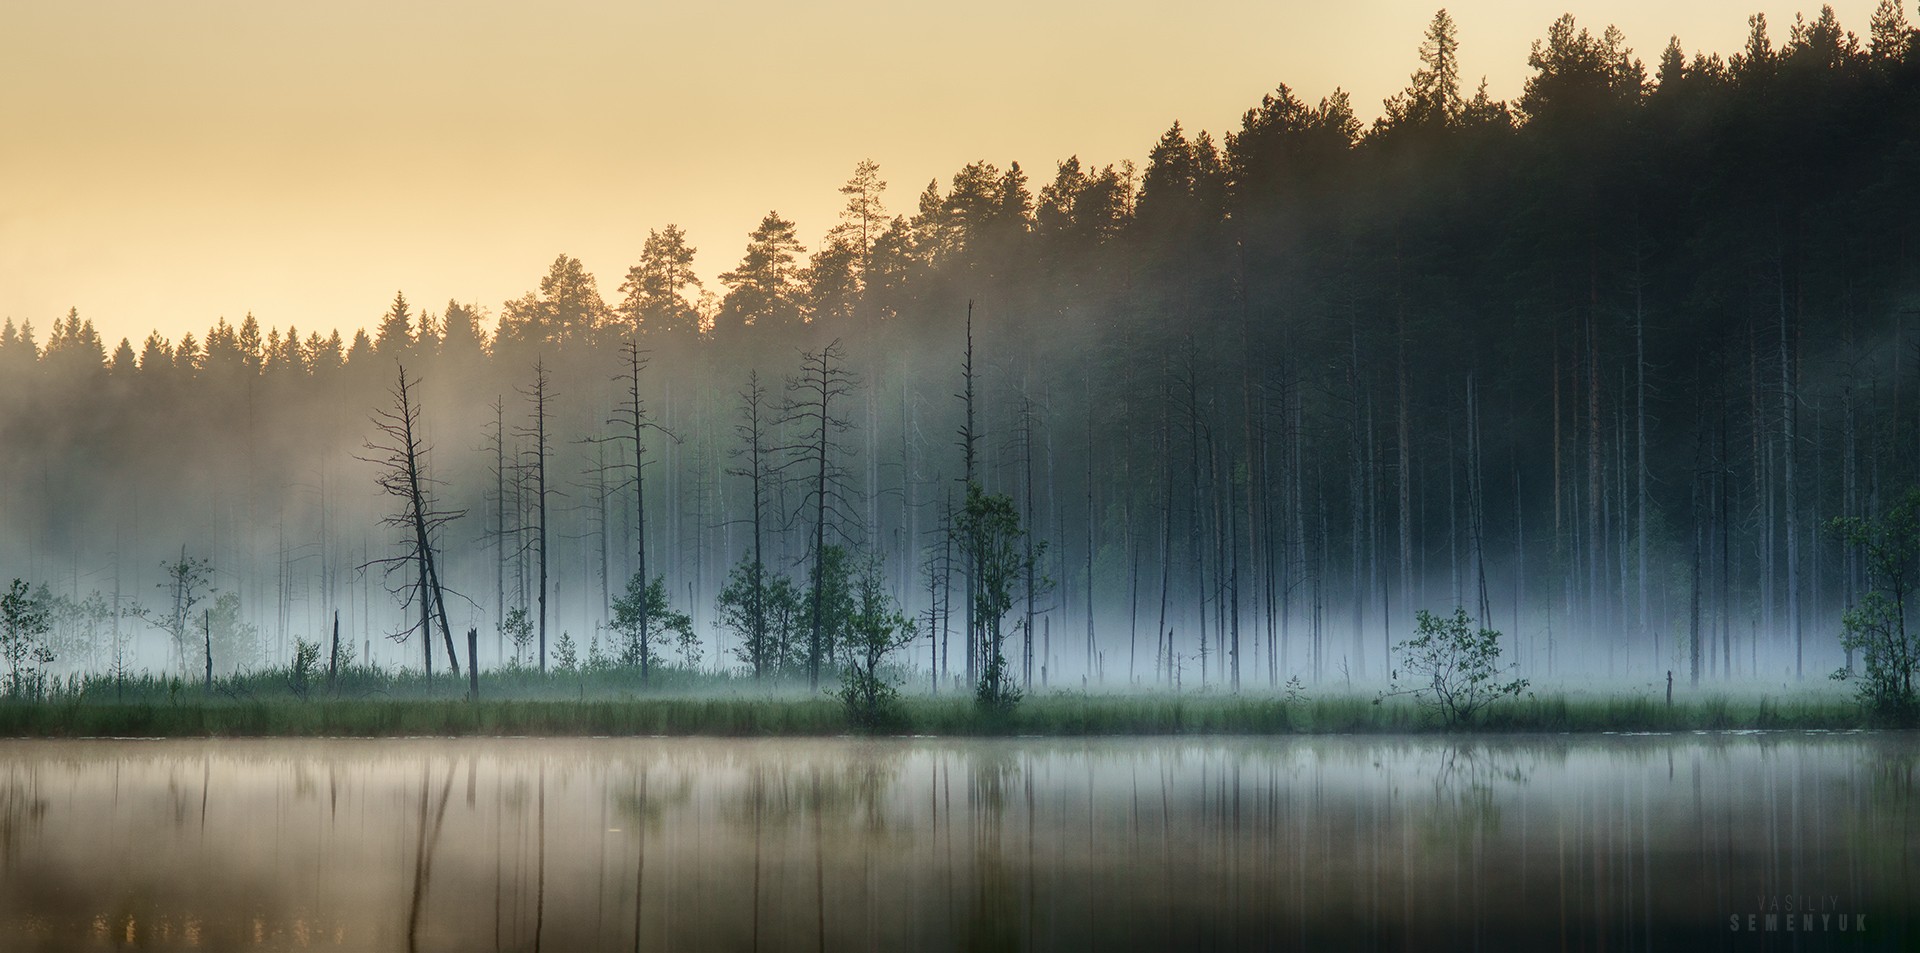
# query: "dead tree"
[969,453]
[630,423]
[497,442]
[815,460]
[534,462]
[939,571]
[186,586]
[752,458]
[401,452]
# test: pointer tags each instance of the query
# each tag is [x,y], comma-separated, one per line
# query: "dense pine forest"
[1599,365]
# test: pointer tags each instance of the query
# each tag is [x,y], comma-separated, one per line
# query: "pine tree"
[764,290]
[657,288]
[394,334]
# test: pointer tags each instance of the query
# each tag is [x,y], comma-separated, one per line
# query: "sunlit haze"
[168,164]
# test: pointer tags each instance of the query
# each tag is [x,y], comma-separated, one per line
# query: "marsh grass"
[367,702]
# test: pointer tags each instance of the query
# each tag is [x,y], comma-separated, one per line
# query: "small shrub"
[1452,668]
[518,628]
[1876,627]
[306,658]
[875,630]
[23,631]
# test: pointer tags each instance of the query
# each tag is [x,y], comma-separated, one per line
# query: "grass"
[371,703]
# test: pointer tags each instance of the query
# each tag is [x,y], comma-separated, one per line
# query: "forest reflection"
[1599,842]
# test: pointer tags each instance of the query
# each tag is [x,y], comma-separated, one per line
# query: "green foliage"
[1295,690]
[771,631]
[834,589]
[742,608]
[1876,627]
[236,642]
[990,536]
[185,587]
[343,660]
[875,630]
[764,290]
[385,704]
[518,628]
[644,618]
[306,658]
[687,643]
[23,629]
[1453,668]
[566,655]
[657,287]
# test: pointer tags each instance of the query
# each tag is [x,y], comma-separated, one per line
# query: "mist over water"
[1600,842]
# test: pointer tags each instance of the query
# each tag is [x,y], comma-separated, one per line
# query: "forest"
[1600,365]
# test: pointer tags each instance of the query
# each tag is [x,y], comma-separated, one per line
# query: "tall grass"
[372,702]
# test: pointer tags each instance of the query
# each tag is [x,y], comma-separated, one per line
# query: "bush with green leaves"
[518,628]
[770,616]
[1452,667]
[874,630]
[643,617]
[306,659]
[991,540]
[24,625]
[1876,627]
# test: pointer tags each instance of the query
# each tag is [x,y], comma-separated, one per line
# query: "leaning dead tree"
[400,453]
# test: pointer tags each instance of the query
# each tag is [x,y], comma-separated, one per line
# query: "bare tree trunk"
[969,438]
[333,654]
[1762,480]
[1405,460]
[1640,466]
[426,623]
[1723,471]
[1233,582]
[499,524]
[1166,522]
[1026,453]
[539,396]
[1850,486]
[1519,556]
[1693,512]
[1271,592]
[1375,581]
[1788,411]
[1296,466]
[1476,505]
[1091,518]
[1595,524]
[633,420]
[1453,519]
[1356,504]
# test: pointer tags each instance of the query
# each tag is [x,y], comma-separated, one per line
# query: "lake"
[1529,842]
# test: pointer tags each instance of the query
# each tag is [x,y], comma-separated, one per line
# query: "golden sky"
[164,163]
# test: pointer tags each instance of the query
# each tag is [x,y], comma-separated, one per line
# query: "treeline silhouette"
[1597,364]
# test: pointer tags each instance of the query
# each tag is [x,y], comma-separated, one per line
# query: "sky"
[163,165]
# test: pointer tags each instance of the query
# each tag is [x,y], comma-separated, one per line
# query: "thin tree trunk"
[1789,451]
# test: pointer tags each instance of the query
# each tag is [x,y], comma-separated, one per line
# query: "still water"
[1545,842]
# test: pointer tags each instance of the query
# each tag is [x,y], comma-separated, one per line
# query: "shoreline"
[1053,716]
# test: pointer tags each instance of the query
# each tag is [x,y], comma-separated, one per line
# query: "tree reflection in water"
[1014,844]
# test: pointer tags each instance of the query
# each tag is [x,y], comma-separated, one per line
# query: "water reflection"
[1351,843]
